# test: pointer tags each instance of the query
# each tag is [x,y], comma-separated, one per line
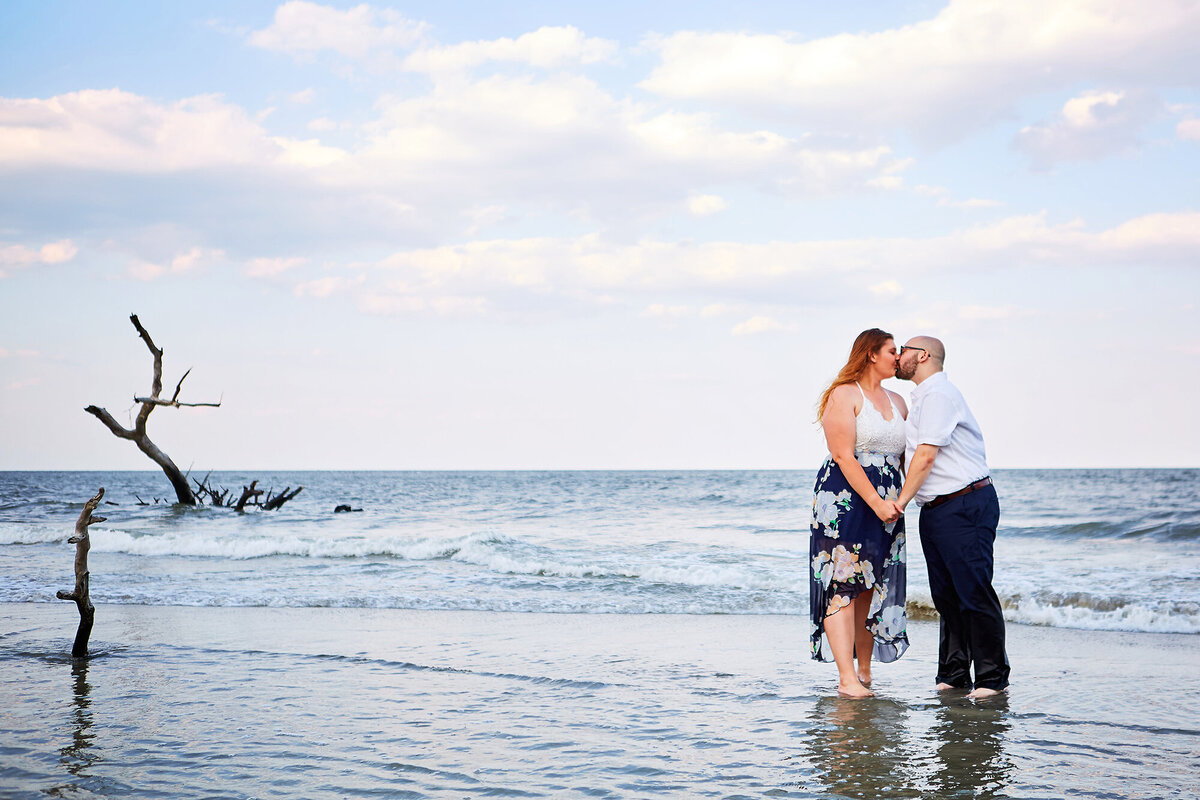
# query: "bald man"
[949,478]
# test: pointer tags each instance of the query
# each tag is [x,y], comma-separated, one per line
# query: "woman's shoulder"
[845,394]
[845,390]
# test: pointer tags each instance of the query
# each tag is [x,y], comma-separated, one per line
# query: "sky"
[593,236]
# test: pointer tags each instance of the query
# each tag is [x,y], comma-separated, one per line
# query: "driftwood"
[275,502]
[138,435]
[220,496]
[81,595]
[204,492]
[248,493]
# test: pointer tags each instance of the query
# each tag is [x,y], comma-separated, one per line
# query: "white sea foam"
[1151,617]
[497,554]
[33,534]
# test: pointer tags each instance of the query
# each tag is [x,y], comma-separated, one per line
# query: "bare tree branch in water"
[248,493]
[81,594]
[275,502]
[138,435]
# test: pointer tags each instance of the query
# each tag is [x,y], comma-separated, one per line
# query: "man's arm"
[918,471]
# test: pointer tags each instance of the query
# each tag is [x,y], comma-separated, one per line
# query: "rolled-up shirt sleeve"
[939,418]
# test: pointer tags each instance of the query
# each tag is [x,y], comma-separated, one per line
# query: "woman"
[857,584]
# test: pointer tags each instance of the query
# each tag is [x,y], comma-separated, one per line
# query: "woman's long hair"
[866,343]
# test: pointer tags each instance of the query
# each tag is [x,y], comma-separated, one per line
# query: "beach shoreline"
[486,703]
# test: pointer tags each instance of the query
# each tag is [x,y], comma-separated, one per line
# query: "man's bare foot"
[942,687]
[982,692]
[853,691]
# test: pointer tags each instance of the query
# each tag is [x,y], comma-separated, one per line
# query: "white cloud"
[491,275]
[705,205]
[112,130]
[185,261]
[269,267]
[397,299]
[308,153]
[304,29]
[546,47]
[17,256]
[560,143]
[968,65]
[886,182]
[565,142]
[971,202]
[1188,129]
[1090,126]
[986,313]
[194,257]
[145,271]
[329,285]
[303,97]
[661,310]
[886,289]
[759,324]
[717,310]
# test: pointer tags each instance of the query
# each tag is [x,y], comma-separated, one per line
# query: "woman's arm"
[838,424]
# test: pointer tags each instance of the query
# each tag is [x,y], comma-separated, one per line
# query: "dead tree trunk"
[248,493]
[81,595]
[138,434]
[275,502]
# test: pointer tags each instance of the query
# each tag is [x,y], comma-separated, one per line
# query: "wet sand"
[264,702]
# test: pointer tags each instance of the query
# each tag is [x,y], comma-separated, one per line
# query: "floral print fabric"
[853,551]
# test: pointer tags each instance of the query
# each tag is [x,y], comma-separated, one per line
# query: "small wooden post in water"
[83,600]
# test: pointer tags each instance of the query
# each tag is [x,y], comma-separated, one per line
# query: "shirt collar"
[926,386]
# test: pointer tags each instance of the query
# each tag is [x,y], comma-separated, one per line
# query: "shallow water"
[1100,549]
[244,702]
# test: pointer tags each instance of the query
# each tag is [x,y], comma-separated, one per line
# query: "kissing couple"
[882,456]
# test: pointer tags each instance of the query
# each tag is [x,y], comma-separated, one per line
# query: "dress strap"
[860,391]
[892,400]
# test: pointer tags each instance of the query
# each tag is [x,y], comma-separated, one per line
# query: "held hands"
[888,510]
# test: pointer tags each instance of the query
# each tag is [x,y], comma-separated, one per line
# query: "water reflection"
[80,755]
[881,748]
[968,742]
[860,748]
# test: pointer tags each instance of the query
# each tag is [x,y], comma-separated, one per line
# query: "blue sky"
[458,235]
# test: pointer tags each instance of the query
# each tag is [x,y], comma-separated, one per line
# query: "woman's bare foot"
[864,678]
[854,691]
[982,692]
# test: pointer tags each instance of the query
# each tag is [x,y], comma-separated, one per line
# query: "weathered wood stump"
[81,595]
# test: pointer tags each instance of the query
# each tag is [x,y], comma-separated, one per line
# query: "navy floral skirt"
[853,552]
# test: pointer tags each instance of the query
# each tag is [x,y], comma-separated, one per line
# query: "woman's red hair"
[865,344]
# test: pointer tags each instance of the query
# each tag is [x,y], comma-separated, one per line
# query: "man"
[949,478]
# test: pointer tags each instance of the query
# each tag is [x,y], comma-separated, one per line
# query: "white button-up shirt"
[939,416]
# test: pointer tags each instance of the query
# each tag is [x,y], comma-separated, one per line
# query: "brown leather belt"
[941,498]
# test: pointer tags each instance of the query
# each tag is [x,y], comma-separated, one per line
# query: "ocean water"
[241,703]
[1090,549]
[576,635]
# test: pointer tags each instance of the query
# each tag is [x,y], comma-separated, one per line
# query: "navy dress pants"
[957,537]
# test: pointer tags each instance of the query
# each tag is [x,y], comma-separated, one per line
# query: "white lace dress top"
[873,433]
